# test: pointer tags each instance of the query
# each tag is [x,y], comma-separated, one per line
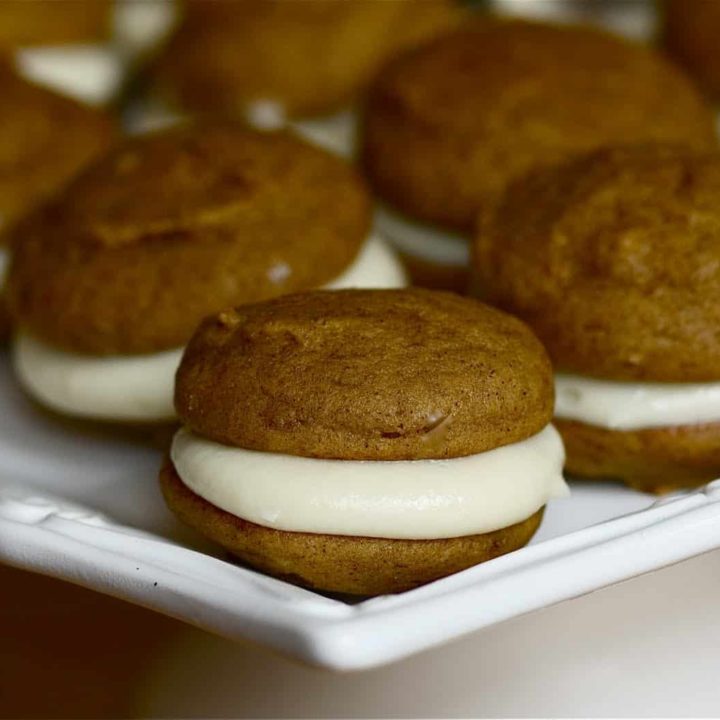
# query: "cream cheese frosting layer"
[336,133]
[418,499]
[94,73]
[635,405]
[376,266]
[139,388]
[422,241]
[140,27]
[89,73]
[131,388]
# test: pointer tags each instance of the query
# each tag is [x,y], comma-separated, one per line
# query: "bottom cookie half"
[339,563]
[655,460]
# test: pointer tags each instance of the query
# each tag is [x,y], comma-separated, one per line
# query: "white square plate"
[86,508]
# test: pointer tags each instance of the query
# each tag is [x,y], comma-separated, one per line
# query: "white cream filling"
[336,133]
[92,74]
[140,388]
[131,389]
[635,405]
[149,116]
[376,266]
[417,499]
[422,241]
[141,25]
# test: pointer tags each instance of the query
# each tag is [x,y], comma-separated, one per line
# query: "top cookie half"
[173,226]
[306,56]
[614,260]
[448,125]
[365,375]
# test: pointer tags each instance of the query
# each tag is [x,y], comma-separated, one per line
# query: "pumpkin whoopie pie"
[449,124]
[110,278]
[305,62]
[364,441]
[691,30]
[614,261]
[44,140]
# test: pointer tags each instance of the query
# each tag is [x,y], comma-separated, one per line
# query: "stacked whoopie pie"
[450,124]
[44,140]
[327,436]
[274,62]
[367,441]
[364,441]
[110,277]
[614,261]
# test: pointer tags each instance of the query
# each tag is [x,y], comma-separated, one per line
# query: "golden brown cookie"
[309,56]
[371,375]
[360,374]
[54,22]
[172,226]
[449,125]
[691,30]
[45,139]
[341,563]
[655,460]
[614,260]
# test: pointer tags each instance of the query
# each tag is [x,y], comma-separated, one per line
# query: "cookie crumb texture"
[339,563]
[450,124]
[656,460]
[173,226]
[365,375]
[614,261]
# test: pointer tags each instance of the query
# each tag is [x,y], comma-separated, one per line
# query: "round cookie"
[383,375]
[294,388]
[450,124]
[306,56]
[613,260]
[49,22]
[171,226]
[341,563]
[690,32]
[45,139]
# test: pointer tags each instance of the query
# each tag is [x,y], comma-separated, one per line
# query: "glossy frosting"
[394,499]
[635,405]
[422,241]
[140,388]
